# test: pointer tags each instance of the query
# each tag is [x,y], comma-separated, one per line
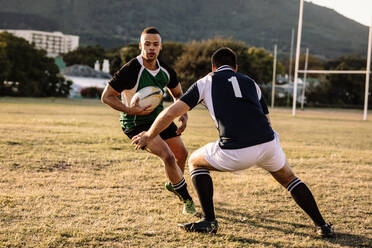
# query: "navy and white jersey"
[236,105]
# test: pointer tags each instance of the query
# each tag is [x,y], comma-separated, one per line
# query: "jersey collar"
[224,67]
[140,60]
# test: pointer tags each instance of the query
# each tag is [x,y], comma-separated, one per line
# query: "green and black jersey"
[132,77]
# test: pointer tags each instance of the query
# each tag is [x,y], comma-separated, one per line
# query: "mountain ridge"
[258,23]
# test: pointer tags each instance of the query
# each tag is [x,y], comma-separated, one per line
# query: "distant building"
[60,63]
[105,66]
[54,43]
[83,76]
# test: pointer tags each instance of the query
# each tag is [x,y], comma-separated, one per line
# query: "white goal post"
[366,72]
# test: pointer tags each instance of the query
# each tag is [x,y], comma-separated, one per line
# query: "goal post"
[366,72]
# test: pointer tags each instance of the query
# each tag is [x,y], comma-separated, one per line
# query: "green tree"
[29,70]
[261,65]
[341,89]
[4,69]
[171,51]
[313,63]
[195,61]
[128,52]
[85,56]
[113,55]
[169,54]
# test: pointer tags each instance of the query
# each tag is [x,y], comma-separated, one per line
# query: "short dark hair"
[224,56]
[150,30]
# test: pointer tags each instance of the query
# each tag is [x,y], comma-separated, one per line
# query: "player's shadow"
[343,239]
[245,241]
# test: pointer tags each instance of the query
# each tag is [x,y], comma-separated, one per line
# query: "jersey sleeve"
[192,96]
[264,105]
[126,77]
[173,80]
[196,93]
[261,99]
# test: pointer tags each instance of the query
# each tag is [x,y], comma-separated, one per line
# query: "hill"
[259,23]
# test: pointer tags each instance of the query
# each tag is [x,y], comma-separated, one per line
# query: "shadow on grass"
[246,241]
[350,240]
[343,239]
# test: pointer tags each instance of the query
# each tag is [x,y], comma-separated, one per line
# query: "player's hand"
[183,119]
[140,141]
[136,109]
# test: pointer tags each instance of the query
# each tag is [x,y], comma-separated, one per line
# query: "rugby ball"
[149,95]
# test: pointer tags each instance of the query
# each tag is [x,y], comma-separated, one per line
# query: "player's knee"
[289,177]
[169,159]
[284,175]
[181,155]
[192,161]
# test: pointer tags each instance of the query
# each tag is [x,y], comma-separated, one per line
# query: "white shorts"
[268,156]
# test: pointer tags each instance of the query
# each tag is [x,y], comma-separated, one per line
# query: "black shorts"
[167,133]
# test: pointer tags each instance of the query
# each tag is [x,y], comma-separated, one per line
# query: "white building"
[54,43]
[83,76]
[105,66]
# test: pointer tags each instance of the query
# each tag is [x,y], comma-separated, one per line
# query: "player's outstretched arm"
[161,122]
[176,93]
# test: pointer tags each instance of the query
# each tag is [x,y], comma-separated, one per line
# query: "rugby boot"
[189,207]
[326,231]
[202,226]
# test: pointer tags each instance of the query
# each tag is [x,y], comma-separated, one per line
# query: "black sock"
[303,197]
[181,188]
[204,186]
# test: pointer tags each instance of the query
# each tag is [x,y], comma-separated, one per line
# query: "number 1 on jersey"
[235,86]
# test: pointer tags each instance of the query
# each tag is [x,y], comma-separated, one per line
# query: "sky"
[358,10]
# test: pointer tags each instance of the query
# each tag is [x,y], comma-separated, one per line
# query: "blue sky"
[358,10]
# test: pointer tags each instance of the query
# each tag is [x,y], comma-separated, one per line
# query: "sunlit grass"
[68,177]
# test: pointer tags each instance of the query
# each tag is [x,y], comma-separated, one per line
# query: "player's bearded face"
[150,46]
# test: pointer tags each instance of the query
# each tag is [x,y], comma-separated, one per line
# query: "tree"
[4,69]
[341,89]
[261,65]
[113,55]
[28,71]
[313,63]
[169,54]
[195,61]
[171,51]
[85,56]
[128,52]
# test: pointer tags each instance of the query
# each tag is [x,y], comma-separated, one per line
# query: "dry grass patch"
[69,178]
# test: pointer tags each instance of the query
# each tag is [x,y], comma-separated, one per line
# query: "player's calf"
[181,189]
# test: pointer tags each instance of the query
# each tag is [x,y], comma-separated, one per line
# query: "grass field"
[69,178]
